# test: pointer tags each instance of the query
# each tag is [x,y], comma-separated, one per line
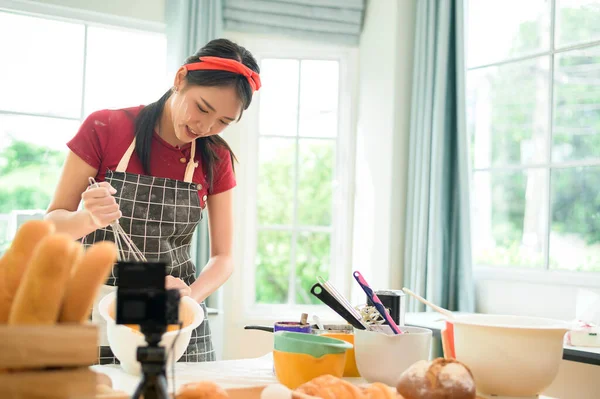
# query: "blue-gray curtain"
[437,261]
[190,25]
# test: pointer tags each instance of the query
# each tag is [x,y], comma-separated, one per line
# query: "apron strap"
[192,164]
[122,166]
[189,170]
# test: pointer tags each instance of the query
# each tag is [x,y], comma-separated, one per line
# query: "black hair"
[149,116]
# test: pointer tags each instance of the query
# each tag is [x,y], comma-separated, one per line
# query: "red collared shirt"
[105,135]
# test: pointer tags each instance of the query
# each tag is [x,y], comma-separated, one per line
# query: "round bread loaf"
[438,379]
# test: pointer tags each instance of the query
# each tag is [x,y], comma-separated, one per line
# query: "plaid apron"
[160,215]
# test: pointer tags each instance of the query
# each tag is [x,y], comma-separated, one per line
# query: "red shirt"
[105,135]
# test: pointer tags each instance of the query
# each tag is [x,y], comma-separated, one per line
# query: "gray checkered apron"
[160,215]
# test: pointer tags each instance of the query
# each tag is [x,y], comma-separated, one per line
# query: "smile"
[191,133]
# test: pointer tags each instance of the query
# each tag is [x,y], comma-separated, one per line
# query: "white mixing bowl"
[124,341]
[384,357]
[510,356]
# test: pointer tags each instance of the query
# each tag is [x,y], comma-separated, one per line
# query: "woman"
[159,166]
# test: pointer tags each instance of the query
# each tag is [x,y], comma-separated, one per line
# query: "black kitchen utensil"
[328,299]
[260,328]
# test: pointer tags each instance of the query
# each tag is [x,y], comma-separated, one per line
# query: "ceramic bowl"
[124,340]
[383,357]
[314,345]
[509,355]
[294,369]
[350,369]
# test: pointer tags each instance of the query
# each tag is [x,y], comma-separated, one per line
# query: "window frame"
[538,275]
[341,234]
[75,16]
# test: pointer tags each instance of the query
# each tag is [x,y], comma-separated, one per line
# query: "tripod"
[152,358]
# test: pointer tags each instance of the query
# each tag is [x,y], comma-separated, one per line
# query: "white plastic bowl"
[510,356]
[124,341]
[383,358]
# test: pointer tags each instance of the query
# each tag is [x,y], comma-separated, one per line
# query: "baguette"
[40,294]
[15,260]
[88,276]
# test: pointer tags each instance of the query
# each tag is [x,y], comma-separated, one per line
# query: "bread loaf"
[439,379]
[88,275]
[40,294]
[15,260]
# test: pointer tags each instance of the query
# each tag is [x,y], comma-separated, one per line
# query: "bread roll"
[40,294]
[89,274]
[439,379]
[201,390]
[16,258]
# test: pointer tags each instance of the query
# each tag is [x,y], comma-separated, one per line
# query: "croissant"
[330,387]
[378,390]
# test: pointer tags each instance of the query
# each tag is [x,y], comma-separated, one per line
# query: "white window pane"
[273,266]
[315,187]
[278,109]
[504,29]
[575,233]
[510,213]
[124,68]
[32,151]
[277,163]
[42,65]
[313,258]
[576,130]
[508,110]
[319,81]
[577,21]
[52,133]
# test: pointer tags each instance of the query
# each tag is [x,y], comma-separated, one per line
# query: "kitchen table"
[227,373]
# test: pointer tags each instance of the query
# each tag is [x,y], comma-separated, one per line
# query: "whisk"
[123,242]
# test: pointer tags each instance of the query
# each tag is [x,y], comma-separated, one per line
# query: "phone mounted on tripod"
[143,299]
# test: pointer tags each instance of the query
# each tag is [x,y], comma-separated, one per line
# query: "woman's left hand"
[178,284]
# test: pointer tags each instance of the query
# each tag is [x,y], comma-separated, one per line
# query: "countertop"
[435,322]
[227,373]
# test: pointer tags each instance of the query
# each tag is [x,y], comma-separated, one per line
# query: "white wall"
[386,62]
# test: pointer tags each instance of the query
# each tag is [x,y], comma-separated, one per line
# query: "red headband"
[226,64]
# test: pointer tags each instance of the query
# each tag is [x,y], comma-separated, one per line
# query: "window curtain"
[190,25]
[437,262]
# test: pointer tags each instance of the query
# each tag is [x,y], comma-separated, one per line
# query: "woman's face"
[201,111]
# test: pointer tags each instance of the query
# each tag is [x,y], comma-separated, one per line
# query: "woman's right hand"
[101,205]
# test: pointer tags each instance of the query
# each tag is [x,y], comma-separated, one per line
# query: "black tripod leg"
[140,388]
[163,387]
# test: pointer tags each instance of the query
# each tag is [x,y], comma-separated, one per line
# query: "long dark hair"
[151,113]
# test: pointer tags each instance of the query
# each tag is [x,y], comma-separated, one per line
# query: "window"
[53,74]
[303,137]
[533,116]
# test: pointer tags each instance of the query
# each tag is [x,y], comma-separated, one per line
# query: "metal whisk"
[122,240]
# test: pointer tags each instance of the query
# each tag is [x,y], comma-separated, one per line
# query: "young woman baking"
[160,166]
